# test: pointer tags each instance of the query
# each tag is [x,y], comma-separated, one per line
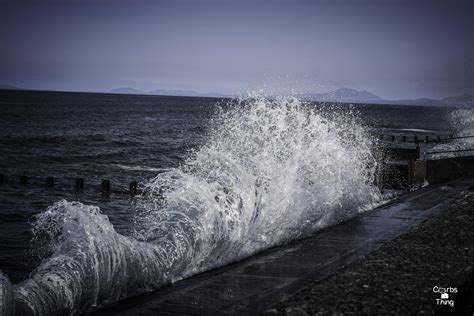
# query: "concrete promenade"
[262,282]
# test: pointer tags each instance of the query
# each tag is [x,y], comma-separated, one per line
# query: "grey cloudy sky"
[395,49]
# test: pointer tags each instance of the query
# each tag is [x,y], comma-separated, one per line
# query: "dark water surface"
[121,138]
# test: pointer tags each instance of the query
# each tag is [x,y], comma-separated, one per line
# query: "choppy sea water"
[222,179]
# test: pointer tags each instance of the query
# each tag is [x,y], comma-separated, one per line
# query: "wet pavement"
[254,285]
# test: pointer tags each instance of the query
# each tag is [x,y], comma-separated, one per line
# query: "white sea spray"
[463,121]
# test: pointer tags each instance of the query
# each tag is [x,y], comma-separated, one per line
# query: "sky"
[394,49]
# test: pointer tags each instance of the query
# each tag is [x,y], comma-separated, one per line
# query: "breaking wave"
[271,171]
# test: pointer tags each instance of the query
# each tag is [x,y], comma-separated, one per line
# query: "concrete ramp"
[257,283]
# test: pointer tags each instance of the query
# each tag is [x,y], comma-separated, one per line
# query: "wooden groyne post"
[133,188]
[105,187]
[49,181]
[79,184]
[23,180]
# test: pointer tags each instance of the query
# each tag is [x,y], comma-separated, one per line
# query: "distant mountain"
[8,87]
[186,93]
[351,95]
[344,95]
[419,101]
[178,93]
[465,100]
[126,90]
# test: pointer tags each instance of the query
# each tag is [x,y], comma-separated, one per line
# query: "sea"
[218,179]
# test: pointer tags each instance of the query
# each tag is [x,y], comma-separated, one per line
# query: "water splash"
[6,296]
[463,122]
[272,170]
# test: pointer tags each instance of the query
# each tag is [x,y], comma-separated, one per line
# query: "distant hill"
[8,87]
[465,100]
[351,95]
[186,93]
[178,93]
[344,95]
[126,90]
